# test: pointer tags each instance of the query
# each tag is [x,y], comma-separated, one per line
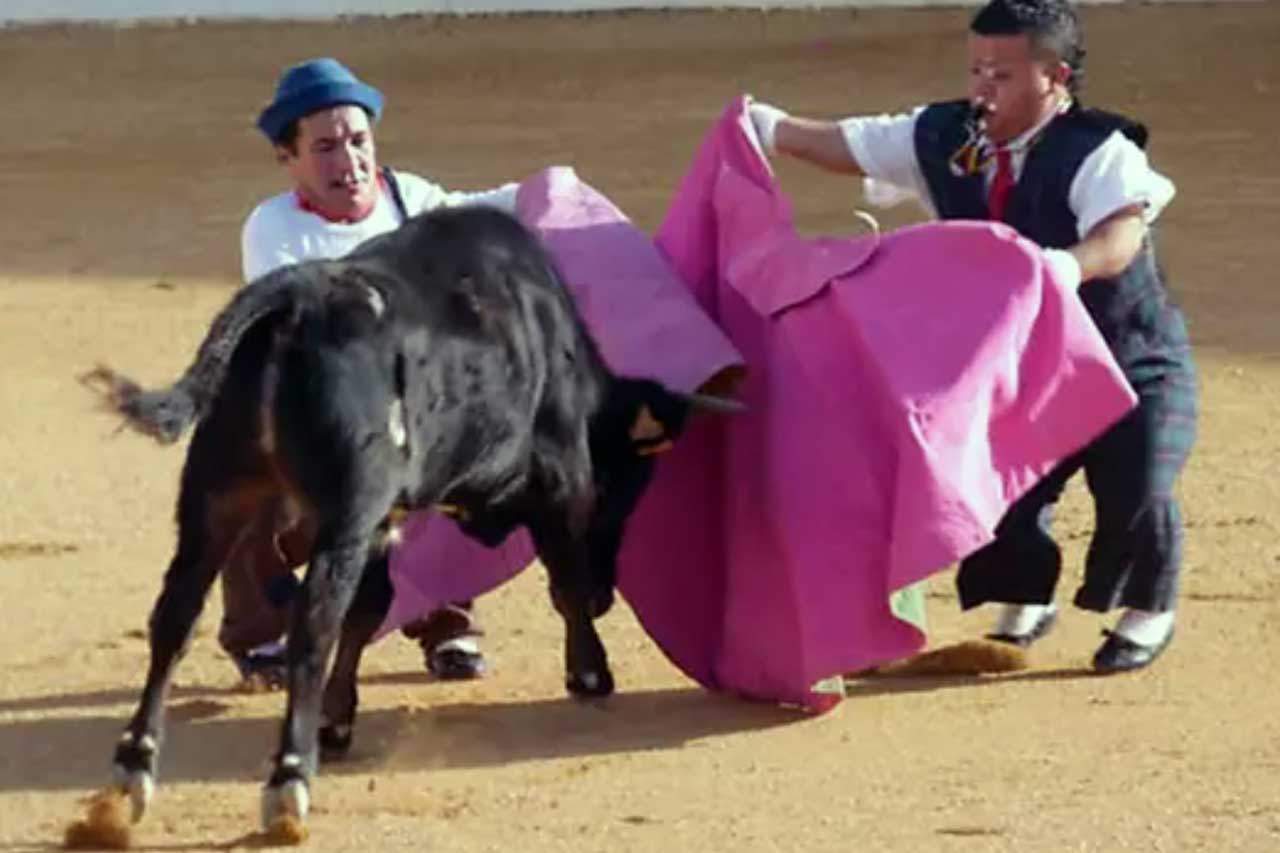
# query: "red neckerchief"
[303,204]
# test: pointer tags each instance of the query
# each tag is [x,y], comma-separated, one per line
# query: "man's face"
[334,165]
[1015,87]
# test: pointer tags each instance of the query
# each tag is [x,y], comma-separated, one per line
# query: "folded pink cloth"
[646,323]
[903,391]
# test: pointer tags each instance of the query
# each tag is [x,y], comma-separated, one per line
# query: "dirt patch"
[18,550]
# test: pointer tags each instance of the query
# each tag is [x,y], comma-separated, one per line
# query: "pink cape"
[645,322]
[903,391]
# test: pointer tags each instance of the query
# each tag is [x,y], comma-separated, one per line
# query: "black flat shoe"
[1120,654]
[454,664]
[1042,627]
[260,670]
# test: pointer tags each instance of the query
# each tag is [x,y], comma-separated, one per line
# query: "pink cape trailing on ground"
[903,391]
[645,322]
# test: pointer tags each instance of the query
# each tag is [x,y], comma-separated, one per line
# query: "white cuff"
[1064,267]
[765,118]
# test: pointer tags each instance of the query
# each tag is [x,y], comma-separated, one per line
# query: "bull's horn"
[711,403]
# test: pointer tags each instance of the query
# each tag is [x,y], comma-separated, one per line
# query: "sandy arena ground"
[128,163]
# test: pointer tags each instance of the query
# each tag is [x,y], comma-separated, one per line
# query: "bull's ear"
[646,427]
[648,435]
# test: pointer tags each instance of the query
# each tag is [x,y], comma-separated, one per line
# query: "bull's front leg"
[576,599]
[326,595]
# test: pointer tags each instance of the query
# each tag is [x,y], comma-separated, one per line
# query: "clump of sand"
[106,827]
[285,830]
[971,657]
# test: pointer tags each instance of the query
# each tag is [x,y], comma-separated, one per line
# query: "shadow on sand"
[204,744]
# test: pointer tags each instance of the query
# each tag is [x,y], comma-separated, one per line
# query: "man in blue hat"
[1021,149]
[320,124]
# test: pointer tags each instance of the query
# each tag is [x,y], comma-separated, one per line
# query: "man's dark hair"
[1052,26]
[288,137]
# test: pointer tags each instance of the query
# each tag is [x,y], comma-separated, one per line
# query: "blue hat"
[314,85]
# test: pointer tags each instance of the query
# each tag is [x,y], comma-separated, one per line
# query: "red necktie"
[1000,184]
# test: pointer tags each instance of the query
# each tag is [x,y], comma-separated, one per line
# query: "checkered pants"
[1135,555]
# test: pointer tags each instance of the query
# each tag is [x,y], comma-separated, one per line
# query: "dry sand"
[129,161]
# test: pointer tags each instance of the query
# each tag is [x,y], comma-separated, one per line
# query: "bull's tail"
[166,413]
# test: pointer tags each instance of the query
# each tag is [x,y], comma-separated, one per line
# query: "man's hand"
[1065,267]
[765,118]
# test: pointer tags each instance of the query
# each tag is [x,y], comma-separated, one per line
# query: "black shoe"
[1120,654]
[267,670]
[450,663]
[1042,627]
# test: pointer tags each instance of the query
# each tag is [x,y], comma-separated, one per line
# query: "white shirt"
[1115,175]
[280,232]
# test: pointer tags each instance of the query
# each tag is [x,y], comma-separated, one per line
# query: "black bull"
[441,365]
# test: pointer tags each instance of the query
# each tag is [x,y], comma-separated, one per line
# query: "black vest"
[1132,310]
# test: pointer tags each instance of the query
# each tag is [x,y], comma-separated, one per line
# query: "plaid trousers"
[1135,556]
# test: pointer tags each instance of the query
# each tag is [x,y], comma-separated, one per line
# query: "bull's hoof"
[590,685]
[134,771]
[138,785]
[286,803]
[335,741]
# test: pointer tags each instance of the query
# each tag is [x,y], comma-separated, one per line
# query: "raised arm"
[815,141]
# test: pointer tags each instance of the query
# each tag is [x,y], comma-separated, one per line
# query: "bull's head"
[655,416]
[640,419]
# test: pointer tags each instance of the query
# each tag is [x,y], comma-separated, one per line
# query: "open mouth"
[350,186]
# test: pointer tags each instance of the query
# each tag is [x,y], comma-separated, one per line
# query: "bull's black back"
[470,320]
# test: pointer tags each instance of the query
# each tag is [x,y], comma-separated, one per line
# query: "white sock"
[1018,619]
[1144,627]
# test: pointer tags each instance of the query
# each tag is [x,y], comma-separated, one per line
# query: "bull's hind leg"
[368,609]
[331,583]
[203,546]
[574,595]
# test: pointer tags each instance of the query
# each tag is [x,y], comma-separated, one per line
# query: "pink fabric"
[903,391]
[645,322]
